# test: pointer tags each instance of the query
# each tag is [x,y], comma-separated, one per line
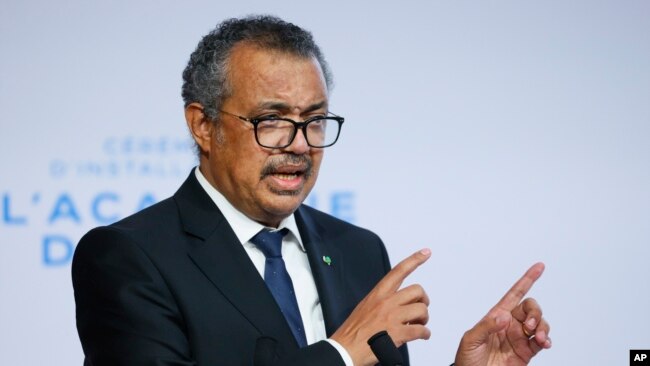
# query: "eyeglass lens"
[279,133]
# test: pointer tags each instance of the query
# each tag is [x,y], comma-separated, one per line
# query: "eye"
[316,117]
[271,116]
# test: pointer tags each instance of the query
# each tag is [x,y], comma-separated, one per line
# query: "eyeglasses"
[277,132]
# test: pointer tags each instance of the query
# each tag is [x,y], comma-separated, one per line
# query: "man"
[233,269]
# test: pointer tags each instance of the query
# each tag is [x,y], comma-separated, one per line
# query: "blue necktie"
[278,280]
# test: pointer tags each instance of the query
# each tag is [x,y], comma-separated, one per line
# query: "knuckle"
[545,325]
[519,293]
[531,303]
[423,308]
[417,288]
[417,293]
[400,267]
[415,332]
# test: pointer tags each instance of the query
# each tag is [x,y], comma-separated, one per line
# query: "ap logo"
[639,357]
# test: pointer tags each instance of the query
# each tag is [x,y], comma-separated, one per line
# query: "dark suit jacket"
[172,285]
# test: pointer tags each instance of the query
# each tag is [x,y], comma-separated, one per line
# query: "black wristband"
[384,348]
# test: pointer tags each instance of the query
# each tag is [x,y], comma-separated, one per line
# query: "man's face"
[266,184]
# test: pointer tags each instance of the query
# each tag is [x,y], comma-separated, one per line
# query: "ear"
[200,126]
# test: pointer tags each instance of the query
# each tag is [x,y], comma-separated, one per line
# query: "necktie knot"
[270,242]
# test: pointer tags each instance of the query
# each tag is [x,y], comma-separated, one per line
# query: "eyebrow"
[285,107]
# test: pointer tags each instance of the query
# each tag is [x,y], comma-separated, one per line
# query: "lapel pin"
[327,260]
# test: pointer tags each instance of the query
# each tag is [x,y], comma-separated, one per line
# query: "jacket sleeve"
[125,313]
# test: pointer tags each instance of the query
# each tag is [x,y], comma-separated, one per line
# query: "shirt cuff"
[342,351]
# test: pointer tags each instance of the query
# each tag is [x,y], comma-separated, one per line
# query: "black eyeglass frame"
[296,126]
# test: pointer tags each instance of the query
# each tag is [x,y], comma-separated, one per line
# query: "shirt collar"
[243,226]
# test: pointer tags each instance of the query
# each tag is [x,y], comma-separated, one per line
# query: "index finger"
[393,279]
[513,297]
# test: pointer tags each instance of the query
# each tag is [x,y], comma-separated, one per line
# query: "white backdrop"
[498,133]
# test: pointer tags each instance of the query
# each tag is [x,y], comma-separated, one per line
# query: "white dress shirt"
[295,259]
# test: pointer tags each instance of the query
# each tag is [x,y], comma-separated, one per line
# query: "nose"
[299,144]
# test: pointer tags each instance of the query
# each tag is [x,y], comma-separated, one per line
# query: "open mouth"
[284,176]
[287,170]
[288,173]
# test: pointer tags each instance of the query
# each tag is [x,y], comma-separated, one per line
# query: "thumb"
[490,324]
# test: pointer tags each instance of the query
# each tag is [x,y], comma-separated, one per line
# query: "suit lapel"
[329,278]
[217,252]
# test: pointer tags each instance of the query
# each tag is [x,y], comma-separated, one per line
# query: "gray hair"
[205,78]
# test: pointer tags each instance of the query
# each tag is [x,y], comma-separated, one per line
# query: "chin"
[293,192]
[285,203]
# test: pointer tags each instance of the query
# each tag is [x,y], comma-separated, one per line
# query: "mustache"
[288,159]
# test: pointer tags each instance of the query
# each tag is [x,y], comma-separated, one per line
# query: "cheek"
[241,155]
[249,172]
[316,159]
[248,169]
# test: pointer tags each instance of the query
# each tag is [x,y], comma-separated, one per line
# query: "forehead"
[258,75]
